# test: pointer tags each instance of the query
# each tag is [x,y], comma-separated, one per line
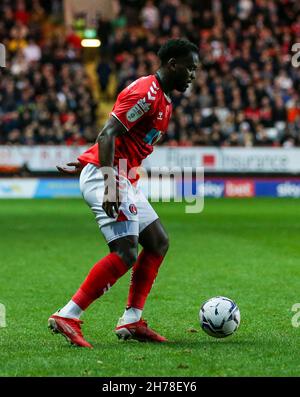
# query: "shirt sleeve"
[133,105]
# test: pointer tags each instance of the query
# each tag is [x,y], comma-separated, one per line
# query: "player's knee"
[126,248]
[129,256]
[162,245]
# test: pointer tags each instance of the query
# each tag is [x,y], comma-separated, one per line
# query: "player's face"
[185,71]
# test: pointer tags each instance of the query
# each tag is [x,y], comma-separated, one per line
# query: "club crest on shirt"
[160,116]
[133,209]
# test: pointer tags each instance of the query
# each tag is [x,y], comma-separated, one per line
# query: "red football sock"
[143,275]
[101,277]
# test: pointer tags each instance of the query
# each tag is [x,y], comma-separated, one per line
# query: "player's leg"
[155,243]
[104,274]
[101,277]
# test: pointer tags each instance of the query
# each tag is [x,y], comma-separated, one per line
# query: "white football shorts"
[135,211]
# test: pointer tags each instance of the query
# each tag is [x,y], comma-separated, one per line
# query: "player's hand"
[77,168]
[111,199]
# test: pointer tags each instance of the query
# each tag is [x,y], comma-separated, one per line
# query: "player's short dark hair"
[176,48]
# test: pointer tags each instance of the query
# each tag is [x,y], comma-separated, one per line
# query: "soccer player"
[138,119]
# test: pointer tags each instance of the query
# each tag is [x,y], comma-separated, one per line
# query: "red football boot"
[139,331]
[70,328]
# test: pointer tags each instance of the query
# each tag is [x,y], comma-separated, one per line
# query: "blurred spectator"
[150,16]
[104,30]
[21,13]
[32,52]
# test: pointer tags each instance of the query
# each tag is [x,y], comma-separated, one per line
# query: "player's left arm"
[106,138]
[76,170]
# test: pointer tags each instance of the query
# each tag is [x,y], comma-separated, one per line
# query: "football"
[219,317]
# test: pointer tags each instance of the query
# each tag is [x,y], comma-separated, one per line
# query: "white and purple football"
[219,317]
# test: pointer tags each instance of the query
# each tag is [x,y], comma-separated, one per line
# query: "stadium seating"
[246,92]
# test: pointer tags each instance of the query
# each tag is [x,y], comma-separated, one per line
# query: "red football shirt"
[145,111]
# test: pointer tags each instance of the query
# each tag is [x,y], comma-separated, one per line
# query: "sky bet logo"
[2,55]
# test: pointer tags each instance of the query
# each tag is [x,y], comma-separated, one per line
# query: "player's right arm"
[106,154]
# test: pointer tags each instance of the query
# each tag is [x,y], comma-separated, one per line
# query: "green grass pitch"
[245,249]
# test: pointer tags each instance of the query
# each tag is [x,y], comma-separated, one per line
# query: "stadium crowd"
[246,93]
[45,94]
